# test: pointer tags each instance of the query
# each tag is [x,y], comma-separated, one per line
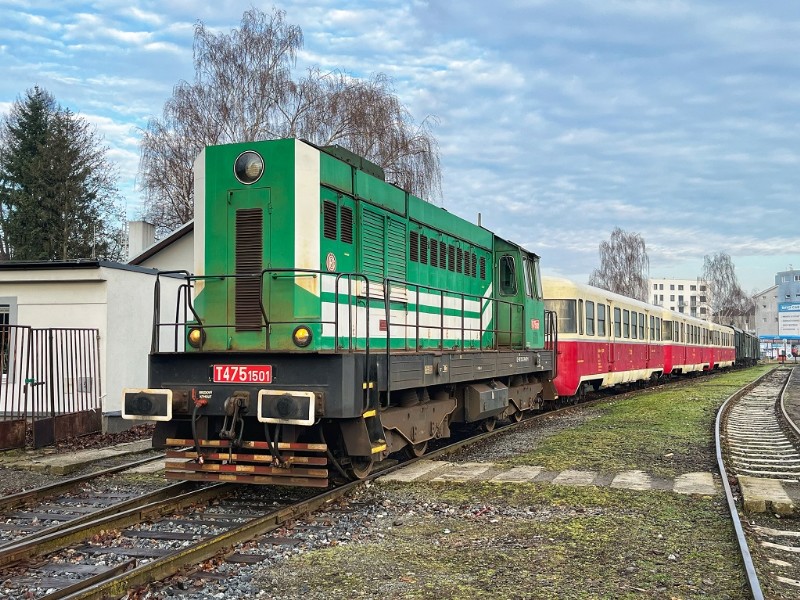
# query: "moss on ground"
[665,432]
[572,543]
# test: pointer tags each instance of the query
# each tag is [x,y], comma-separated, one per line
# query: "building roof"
[81,263]
[173,237]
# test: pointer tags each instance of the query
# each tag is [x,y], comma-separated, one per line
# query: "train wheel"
[360,467]
[416,450]
[516,416]
[489,424]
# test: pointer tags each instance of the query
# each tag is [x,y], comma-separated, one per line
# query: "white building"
[689,296]
[114,298]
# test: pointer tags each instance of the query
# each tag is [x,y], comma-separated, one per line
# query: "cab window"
[532,285]
[508,276]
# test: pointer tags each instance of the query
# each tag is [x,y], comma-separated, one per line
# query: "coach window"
[658,330]
[666,333]
[642,325]
[601,319]
[634,325]
[508,276]
[589,317]
[626,324]
[565,309]
[617,323]
[652,328]
[580,317]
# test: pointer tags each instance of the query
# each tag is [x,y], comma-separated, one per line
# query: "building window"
[702,288]
[660,286]
[672,297]
[672,286]
[655,286]
[5,338]
[692,288]
[680,287]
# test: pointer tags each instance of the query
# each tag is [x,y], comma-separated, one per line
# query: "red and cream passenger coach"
[605,339]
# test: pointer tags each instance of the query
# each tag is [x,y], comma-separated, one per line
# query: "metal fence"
[50,387]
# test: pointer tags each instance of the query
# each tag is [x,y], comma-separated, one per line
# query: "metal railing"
[50,384]
[468,337]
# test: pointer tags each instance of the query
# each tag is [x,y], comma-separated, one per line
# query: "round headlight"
[301,336]
[196,337]
[249,167]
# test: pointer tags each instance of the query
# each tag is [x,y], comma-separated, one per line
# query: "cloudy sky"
[558,120]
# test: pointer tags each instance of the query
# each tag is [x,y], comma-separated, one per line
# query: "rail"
[750,570]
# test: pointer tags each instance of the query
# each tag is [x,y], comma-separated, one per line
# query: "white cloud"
[556,120]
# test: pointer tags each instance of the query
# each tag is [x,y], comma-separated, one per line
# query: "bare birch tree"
[244,90]
[727,299]
[624,265]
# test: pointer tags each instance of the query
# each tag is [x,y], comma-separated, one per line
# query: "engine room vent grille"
[329,220]
[249,261]
[347,225]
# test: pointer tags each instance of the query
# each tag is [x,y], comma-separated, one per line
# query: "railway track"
[45,510]
[758,446]
[108,554]
[105,555]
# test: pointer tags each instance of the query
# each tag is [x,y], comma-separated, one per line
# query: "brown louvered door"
[249,232]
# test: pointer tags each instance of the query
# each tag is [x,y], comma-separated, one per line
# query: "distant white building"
[688,296]
[767,312]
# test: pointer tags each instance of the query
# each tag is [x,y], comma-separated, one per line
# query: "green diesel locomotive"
[333,319]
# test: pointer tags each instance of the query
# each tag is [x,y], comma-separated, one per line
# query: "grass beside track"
[664,432]
[569,543]
[489,540]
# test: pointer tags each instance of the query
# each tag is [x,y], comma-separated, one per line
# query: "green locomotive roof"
[347,172]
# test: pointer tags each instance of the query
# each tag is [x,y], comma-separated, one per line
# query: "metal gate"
[50,387]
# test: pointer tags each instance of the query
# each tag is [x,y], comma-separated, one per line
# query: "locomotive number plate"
[242,373]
